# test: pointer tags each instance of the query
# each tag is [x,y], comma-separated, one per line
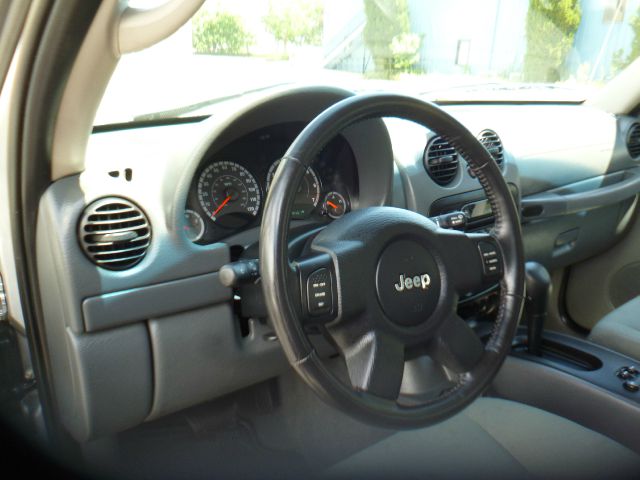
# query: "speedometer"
[308,193]
[229,194]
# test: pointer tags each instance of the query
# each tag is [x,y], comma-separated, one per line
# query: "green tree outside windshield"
[387,35]
[220,34]
[551,27]
[620,60]
[298,23]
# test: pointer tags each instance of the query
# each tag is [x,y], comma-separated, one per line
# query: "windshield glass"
[458,50]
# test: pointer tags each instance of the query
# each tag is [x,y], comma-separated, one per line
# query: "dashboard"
[161,333]
[228,192]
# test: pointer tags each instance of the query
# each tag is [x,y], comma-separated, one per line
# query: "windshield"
[458,50]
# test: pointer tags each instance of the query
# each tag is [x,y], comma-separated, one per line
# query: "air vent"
[633,140]
[114,233]
[441,161]
[493,144]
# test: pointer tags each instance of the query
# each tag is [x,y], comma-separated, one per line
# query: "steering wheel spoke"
[375,362]
[474,260]
[456,346]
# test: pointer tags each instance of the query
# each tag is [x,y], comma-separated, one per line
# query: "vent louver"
[493,144]
[114,233]
[441,161]
[633,140]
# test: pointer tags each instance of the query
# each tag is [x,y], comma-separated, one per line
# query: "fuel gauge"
[335,205]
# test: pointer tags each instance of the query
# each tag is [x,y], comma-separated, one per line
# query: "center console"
[603,368]
[569,376]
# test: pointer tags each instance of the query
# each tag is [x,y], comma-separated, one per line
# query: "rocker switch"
[319,292]
[490,257]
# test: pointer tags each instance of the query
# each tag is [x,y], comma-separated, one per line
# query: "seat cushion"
[620,329]
[494,439]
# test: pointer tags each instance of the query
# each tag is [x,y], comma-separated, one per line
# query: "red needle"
[331,204]
[226,200]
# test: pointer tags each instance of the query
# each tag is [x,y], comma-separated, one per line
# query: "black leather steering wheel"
[383,281]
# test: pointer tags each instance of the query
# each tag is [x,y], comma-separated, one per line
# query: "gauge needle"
[331,204]
[226,200]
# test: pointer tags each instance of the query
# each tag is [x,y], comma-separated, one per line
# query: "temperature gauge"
[335,205]
[193,225]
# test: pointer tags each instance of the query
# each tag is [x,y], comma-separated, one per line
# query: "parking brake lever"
[538,284]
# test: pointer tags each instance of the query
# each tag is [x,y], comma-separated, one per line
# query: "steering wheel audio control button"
[491,264]
[319,292]
[631,386]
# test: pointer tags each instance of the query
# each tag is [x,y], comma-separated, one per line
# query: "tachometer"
[229,194]
[308,193]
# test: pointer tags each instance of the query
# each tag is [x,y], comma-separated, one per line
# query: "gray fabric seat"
[620,329]
[494,439]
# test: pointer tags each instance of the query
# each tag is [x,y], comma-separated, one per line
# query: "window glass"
[532,50]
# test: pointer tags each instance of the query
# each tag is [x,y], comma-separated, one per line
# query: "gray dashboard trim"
[586,195]
[420,191]
[128,306]
[170,256]
[117,362]
[200,355]
[110,384]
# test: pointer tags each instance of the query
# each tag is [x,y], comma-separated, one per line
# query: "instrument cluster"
[229,190]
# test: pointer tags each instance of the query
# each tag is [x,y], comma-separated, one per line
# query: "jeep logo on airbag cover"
[418,281]
[407,282]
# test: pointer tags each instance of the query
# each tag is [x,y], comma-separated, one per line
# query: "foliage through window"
[527,50]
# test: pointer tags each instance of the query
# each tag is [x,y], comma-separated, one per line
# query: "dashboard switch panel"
[627,373]
[319,292]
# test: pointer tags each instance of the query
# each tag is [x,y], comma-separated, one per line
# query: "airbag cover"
[407,282]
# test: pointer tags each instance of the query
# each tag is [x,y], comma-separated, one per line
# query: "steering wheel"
[382,281]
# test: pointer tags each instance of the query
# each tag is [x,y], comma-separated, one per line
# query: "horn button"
[407,283]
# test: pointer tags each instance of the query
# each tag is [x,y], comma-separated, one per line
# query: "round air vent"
[493,144]
[441,161]
[114,233]
[633,140]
